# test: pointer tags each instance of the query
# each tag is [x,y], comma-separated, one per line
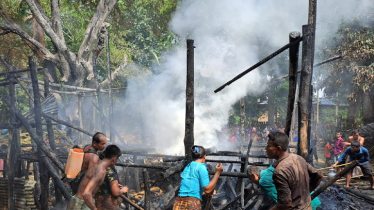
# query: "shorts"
[77,204]
[336,157]
[187,203]
[366,169]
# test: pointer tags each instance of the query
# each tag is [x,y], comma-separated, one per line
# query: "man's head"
[198,152]
[277,144]
[355,146]
[338,135]
[112,153]
[355,135]
[99,141]
[253,174]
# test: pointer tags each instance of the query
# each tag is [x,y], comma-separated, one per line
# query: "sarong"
[187,203]
[77,204]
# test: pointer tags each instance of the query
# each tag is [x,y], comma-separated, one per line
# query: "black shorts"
[366,169]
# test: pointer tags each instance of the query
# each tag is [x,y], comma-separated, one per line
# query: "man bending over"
[93,179]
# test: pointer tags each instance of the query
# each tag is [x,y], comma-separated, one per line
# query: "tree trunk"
[368,108]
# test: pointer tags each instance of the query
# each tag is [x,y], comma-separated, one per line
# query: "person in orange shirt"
[328,153]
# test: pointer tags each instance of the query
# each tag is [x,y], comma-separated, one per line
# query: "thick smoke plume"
[227,37]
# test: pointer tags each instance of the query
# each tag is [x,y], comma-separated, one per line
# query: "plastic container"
[74,163]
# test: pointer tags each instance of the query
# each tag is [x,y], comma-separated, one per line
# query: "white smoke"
[226,35]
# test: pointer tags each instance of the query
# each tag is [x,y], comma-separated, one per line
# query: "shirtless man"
[90,151]
[93,179]
[355,136]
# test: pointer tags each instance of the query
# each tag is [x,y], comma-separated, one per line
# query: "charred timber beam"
[59,121]
[189,123]
[245,168]
[229,203]
[359,194]
[59,184]
[328,60]
[346,169]
[259,64]
[224,179]
[44,179]
[231,174]
[130,202]
[147,191]
[38,140]
[304,94]
[293,65]
[130,165]
[13,144]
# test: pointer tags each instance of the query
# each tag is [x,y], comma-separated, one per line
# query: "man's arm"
[315,177]
[366,157]
[88,191]
[362,140]
[116,189]
[283,191]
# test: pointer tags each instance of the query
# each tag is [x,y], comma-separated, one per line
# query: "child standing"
[328,154]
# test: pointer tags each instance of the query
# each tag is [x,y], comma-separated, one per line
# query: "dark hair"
[111,151]
[253,170]
[279,139]
[96,137]
[355,144]
[339,133]
[197,152]
[354,132]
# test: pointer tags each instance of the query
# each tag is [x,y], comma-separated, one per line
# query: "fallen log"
[336,177]
[38,140]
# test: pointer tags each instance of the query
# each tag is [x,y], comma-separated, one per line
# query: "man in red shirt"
[328,154]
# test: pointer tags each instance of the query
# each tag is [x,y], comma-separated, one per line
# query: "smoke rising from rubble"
[226,35]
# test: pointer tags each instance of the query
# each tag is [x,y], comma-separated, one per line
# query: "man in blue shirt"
[361,154]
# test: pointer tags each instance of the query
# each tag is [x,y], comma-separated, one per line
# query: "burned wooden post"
[271,105]
[293,65]
[51,135]
[147,191]
[14,147]
[245,168]
[189,124]
[242,122]
[304,93]
[110,115]
[44,179]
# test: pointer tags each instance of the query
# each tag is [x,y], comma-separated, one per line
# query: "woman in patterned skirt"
[195,181]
